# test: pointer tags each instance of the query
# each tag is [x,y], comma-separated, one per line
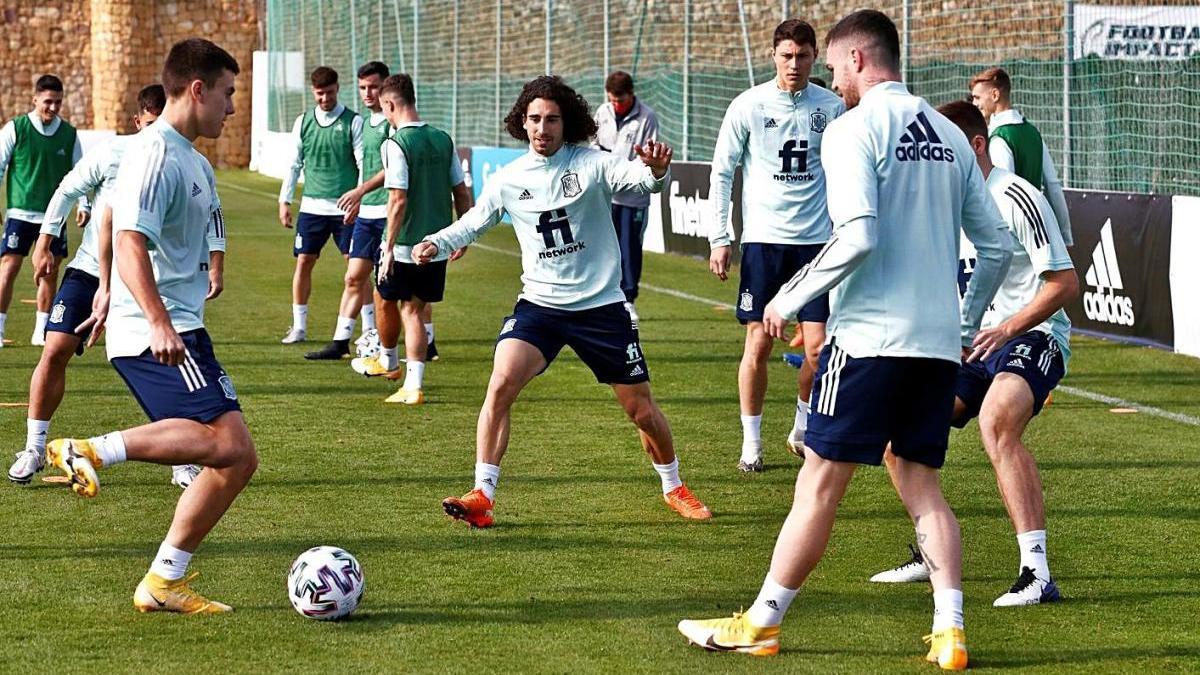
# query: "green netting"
[1134,125]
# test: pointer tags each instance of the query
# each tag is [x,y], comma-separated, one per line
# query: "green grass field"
[587,570]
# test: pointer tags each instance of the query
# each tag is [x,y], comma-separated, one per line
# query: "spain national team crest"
[746,303]
[227,387]
[817,121]
[570,184]
[56,315]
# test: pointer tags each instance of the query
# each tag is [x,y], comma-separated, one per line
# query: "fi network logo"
[1104,303]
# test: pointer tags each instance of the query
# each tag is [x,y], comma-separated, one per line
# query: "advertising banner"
[687,212]
[1146,33]
[1185,273]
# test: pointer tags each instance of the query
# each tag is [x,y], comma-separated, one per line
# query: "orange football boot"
[473,507]
[686,504]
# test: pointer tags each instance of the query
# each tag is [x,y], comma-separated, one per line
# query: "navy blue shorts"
[198,389]
[605,338]
[630,224]
[859,405]
[73,304]
[365,237]
[21,235]
[765,269]
[1033,356]
[410,280]
[313,231]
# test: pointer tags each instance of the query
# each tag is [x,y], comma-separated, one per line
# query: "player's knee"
[56,355]
[998,430]
[352,281]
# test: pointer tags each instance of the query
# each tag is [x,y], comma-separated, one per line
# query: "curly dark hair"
[578,125]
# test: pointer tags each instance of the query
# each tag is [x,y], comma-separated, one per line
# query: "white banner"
[1185,273]
[1148,33]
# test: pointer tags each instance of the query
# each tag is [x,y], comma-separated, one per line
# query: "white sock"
[751,437]
[389,357]
[669,473]
[414,375]
[110,448]
[170,563]
[300,317]
[35,434]
[39,327]
[345,328]
[947,609]
[486,478]
[800,425]
[771,604]
[3,320]
[429,332]
[1033,553]
[367,313]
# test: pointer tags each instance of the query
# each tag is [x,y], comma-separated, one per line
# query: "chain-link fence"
[1124,118]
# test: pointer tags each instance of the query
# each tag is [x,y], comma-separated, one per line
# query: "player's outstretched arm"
[480,218]
[655,155]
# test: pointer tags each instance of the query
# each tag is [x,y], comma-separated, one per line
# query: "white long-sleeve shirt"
[561,209]
[776,137]
[314,205]
[8,141]
[1002,156]
[902,183]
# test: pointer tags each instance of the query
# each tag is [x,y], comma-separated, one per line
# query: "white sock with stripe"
[35,434]
[1033,553]
[39,326]
[389,357]
[751,437]
[300,317]
[110,448]
[170,563]
[414,375]
[367,313]
[947,609]
[345,328]
[486,478]
[771,604]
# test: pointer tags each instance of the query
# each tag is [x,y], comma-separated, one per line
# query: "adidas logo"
[1016,363]
[61,152]
[921,143]
[489,481]
[1037,548]
[773,605]
[771,123]
[525,195]
[195,190]
[167,561]
[637,370]
[1104,304]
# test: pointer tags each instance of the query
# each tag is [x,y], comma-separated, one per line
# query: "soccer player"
[329,149]
[559,196]
[81,304]
[774,131]
[623,122]
[901,183]
[37,150]
[422,173]
[164,204]
[1017,360]
[1016,145]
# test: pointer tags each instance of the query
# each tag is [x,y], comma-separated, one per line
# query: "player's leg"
[351,301]
[46,288]
[431,352]
[46,388]
[10,266]
[516,363]
[311,236]
[752,389]
[417,286]
[813,333]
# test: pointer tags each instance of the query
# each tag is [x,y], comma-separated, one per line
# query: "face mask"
[623,108]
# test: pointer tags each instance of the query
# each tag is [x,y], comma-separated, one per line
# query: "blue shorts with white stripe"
[198,389]
[860,405]
[1034,357]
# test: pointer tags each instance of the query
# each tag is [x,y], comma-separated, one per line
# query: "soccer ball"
[367,345]
[325,583]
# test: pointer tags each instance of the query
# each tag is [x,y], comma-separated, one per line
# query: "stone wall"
[106,50]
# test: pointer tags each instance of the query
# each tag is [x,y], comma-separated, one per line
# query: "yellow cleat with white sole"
[77,459]
[732,634]
[407,397]
[948,649]
[371,366]
[156,594]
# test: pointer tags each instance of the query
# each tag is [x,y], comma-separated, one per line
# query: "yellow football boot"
[77,459]
[732,634]
[156,594]
[407,397]
[947,648]
[371,366]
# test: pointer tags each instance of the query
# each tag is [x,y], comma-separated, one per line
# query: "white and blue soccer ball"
[325,583]
[367,345]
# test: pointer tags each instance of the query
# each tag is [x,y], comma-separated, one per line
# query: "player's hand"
[350,215]
[655,155]
[216,284]
[43,264]
[458,253]
[82,217]
[987,341]
[285,215]
[166,345]
[773,323]
[423,252]
[718,261]
[387,258]
[96,321]
[350,201]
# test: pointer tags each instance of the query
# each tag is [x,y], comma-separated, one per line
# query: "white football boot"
[912,571]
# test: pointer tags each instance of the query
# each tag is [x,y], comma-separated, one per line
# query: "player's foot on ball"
[78,460]
[29,462]
[294,336]
[431,352]
[156,594]
[474,508]
[407,397]
[913,570]
[947,648]
[183,475]
[333,351]
[731,634]
[371,366]
[686,504]
[755,466]
[1029,590]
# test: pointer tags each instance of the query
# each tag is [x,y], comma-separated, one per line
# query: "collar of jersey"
[47,130]
[327,118]
[884,89]
[785,94]
[1010,116]
[405,125]
[557,157]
